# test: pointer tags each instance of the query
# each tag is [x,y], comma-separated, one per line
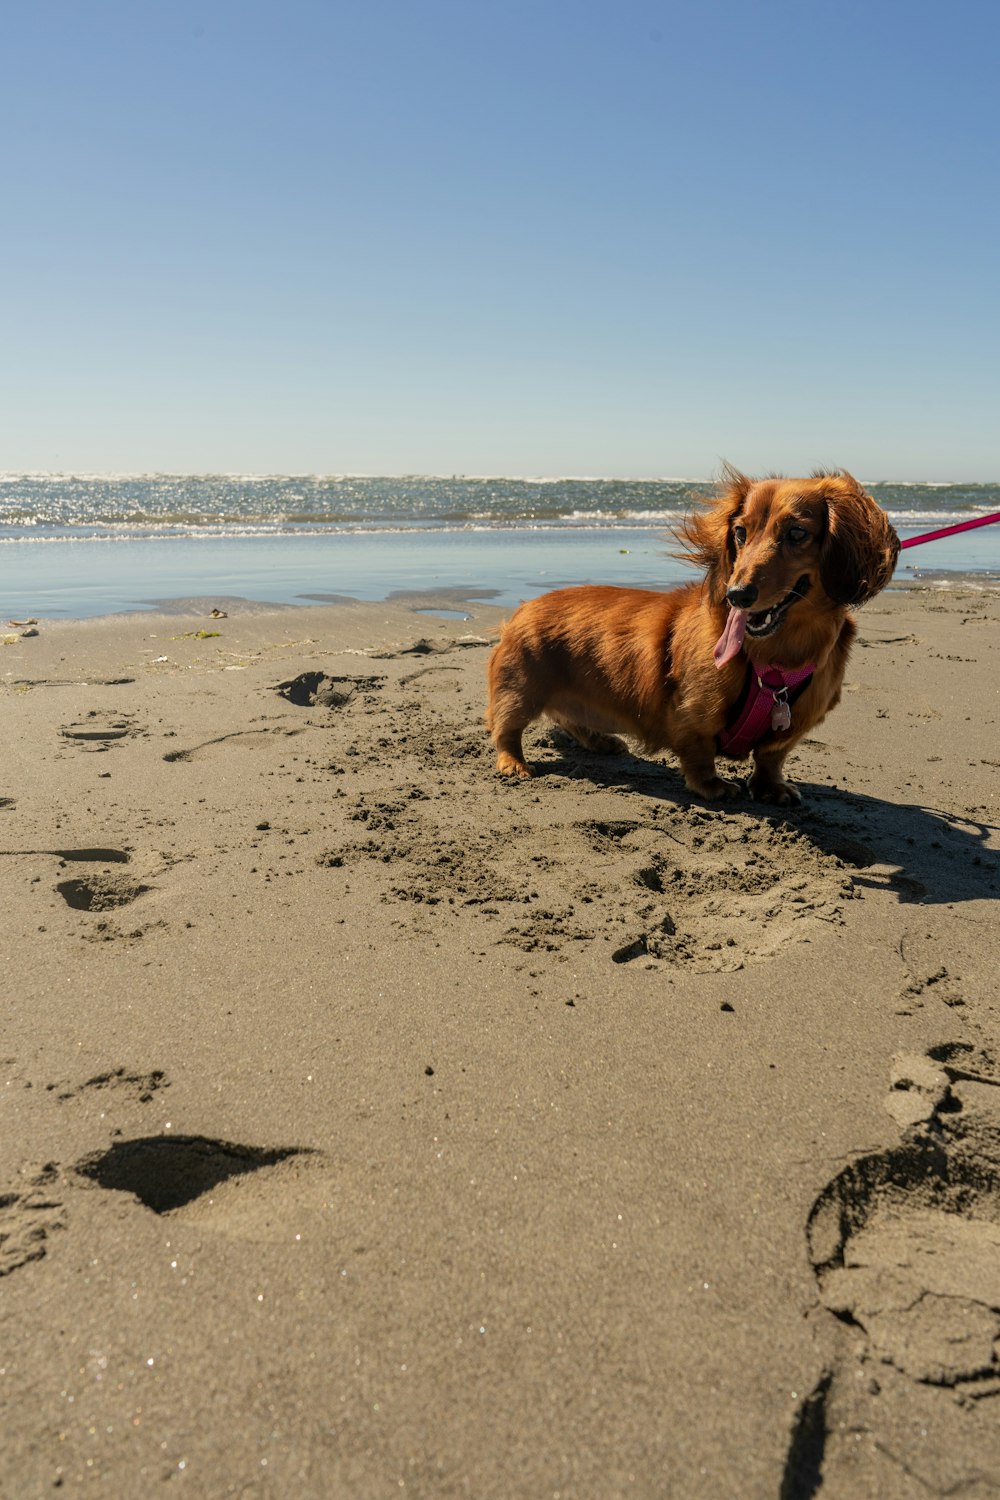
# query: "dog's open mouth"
[766,621]
[759,625]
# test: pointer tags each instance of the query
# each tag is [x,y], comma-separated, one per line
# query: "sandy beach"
[375,1126]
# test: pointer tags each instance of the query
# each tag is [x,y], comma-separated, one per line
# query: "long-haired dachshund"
[747,660]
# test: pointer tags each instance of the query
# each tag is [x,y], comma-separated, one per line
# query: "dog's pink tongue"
[731,639]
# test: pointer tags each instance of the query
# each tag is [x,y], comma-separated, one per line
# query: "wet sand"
[375,1126]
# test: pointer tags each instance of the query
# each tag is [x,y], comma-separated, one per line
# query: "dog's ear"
[707,534]
[860,548]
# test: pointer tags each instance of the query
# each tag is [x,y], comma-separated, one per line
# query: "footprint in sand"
[247,738]
[259,1193]
[33,1209]
[317,690]
[129,1088]
[167,1172]
[28,1218]
[425,647]
[99,890]
[243,1192]
[102,891]
[905,1246]
[44,682]
[99,732]
[93,854]
[927,977]
[188,1177]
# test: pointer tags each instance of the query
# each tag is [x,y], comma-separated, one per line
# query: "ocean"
[86,545]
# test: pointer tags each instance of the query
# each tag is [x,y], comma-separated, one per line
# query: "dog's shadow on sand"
[917,853]
[923,855]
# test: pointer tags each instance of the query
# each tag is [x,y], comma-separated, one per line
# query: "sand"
[376,1126]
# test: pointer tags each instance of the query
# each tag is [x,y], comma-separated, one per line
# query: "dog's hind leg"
[591,739]
[507,717]
[510,754]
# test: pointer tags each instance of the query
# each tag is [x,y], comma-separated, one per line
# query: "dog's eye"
[796,534]
[739,535]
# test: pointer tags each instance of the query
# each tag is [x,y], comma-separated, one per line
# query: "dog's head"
[769,544]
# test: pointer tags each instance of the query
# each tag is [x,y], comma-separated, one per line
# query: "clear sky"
[537,237]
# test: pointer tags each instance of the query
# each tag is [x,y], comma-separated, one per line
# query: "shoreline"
[440,603]
[470,1138]
[59,580]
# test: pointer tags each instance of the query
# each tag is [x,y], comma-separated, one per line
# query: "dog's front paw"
[717,789]
[781,793]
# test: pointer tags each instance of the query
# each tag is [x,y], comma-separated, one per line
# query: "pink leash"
[932,536]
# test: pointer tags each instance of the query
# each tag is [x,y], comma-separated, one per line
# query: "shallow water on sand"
[93,562]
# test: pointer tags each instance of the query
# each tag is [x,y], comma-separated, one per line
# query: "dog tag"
[781,715]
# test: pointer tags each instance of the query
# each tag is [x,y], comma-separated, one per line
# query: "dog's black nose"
[744,597]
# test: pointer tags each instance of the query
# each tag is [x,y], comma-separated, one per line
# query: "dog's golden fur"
[607,661]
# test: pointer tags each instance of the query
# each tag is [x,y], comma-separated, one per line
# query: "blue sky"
[398,236]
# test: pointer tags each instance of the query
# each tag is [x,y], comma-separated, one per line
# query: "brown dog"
[749,659]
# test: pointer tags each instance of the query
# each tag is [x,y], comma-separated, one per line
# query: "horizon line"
[9,474]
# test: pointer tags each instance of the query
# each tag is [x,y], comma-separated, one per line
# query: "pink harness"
[765,709]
